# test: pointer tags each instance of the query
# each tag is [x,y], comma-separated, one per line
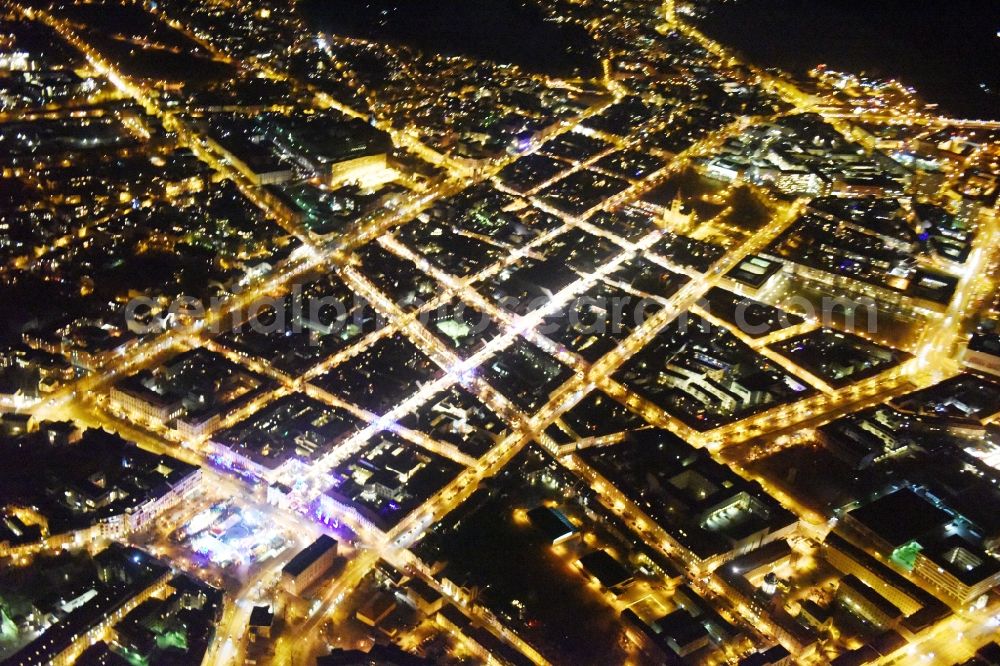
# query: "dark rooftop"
[310,554]
[901,517]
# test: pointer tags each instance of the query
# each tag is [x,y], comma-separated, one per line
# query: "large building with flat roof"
[921,535]
[305,568]
[708,511]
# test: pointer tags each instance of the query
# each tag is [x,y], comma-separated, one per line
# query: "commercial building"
[983,352]
[306,568]
[608,572]
[707,511]
[553,524]
[97,485]
[190,393]
[260,445]
[928,539]
[383,483]
[867,603]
